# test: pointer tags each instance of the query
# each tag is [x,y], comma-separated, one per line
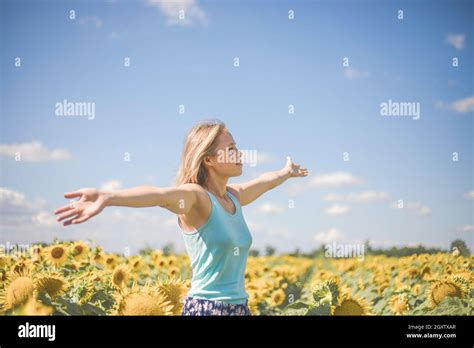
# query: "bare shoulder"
[197,189]
[234,191]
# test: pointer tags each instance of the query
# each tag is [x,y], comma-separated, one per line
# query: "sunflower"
[142,301]
[156,254]
[98,258]
[448,269]
[36,252]
[52,283]
[80,250]
[351,305]
[136,263]
[34,307]
[19,288]
[56,254]
[174,290]
[412,273]
[399,304]
[23,266]
[86,291]
[3,276]
[120,276]
[111,261]
[4,260]
[277,297]
[173,271]
[171,260]
[464,263]
[442,289]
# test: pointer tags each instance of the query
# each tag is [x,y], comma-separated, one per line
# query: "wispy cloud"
[111,185]
[91,20]
[328,236]
[464,105]
[16,209]
[269,208]
[469,195]
[456,40]
[355,74]
[362,197]
[337,210]
[33,152]
[415,207]
[193,13]
[336,179]
[467,228]
[461,106]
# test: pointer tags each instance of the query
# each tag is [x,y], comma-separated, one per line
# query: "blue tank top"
[218,252]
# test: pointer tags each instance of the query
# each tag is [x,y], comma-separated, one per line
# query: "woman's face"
[228,159]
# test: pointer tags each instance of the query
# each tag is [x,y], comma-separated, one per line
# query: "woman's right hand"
[91,202]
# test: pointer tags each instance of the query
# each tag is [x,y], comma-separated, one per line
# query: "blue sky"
[283,62]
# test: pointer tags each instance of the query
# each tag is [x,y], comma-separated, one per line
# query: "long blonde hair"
[200,142]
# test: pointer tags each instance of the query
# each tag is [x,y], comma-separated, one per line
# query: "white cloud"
[328,236]
[264,157]
[362,197]
[16,209]
[192,11]
[456,40]
[469,194]
[111,185]
[355,74]
[415,207]
[93,20]
[45,218]
[467,228]
[33,152]
[254,226]
[115,35]
[463,105]
[269,208]
[337,210]
[335,179]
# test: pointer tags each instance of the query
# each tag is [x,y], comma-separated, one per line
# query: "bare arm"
[251,190]
[179,200]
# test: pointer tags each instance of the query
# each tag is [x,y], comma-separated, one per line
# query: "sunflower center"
[57,252]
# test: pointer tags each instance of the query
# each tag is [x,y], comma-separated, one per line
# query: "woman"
[209,213]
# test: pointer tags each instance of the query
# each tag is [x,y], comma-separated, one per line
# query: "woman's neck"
[217,186]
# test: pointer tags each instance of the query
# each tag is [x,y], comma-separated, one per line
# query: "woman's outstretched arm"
[251,190]
[179,200]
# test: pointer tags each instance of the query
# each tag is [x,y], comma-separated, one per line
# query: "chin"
[238,172]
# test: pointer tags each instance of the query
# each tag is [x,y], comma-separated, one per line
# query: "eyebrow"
[231,144]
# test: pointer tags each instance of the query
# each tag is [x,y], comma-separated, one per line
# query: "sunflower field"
[73,278]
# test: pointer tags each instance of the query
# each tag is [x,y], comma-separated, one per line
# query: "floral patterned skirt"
[197,306]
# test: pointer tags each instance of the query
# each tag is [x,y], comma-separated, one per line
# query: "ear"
[207,161]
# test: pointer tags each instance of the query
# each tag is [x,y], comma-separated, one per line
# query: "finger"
[63,209]
[73,194]
[67,215]
[81,219]
[69,222]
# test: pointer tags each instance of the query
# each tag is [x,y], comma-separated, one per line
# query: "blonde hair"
[200,142]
